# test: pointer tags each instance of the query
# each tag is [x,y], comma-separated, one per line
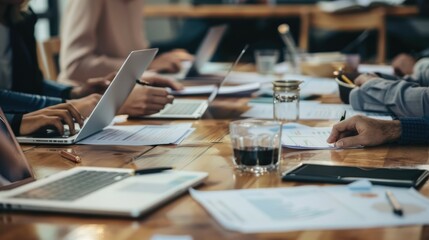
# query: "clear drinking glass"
[256,145]
[266,60]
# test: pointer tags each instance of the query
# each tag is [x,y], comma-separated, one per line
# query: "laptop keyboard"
[182,109]
[74,186]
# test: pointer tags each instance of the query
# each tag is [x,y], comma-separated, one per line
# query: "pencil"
[346,79]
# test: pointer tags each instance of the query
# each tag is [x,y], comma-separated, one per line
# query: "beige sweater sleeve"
[90,41]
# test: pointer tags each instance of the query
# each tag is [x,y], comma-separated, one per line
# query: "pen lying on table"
[396,207]
[151,170]
[70,155]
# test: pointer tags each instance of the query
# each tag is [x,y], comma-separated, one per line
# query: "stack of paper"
[295,209]
[140,135]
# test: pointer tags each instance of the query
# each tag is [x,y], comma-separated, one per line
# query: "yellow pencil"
[346,79]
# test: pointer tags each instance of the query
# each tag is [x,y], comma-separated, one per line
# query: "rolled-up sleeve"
[402,98]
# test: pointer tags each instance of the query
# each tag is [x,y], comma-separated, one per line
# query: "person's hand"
[403,64]
[170,62]
[85,105]
[93,85]
[145,100]
[364,131]
[365,77]
[157,80]
[53,116]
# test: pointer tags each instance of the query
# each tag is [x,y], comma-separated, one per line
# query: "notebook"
[84,190]
[204,54]
[193,108]
[109,104]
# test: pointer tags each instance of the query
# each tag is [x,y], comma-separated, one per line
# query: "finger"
[156,91]
[160,100]
[337,129]
[153,108]
[342,129]
[54,122]
[183,54]
[166,82]
[353,141]
[111,76]
[75,114]
[175,65]
[98,85]
[65,117]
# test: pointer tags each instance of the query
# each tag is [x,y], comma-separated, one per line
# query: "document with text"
[139,135]
[312,207]
[307,138]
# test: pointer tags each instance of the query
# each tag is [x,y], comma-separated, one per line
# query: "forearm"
[54,89]
[401,98]
[421,72]
[16,102]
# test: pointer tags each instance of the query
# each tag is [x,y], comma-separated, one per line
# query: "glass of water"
[266,60]
[286,100]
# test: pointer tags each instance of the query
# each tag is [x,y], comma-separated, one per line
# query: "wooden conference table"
[207,149]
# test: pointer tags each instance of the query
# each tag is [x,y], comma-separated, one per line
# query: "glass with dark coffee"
[256,145]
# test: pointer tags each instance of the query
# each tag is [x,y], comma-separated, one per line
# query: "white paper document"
[335,111]
[309,110]
[207,89]
[312,207]
[139,135]
[307,138]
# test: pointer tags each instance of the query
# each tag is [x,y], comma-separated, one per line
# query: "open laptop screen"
[14,169]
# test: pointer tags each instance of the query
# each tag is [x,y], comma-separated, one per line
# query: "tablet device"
[399,177]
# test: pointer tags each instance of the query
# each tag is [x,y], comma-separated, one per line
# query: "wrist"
[70,93]
[394,130]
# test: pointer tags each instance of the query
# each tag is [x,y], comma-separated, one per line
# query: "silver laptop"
[193,108]
[84,190]
[204,54]
[109,104]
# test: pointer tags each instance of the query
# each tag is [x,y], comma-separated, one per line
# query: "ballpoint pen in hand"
[143,83]
[343,116]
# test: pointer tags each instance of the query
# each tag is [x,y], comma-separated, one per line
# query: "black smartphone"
[399,177]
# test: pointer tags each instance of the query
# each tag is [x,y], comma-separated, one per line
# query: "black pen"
[151,170]
[397,208]
[143,83]
[344,116]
